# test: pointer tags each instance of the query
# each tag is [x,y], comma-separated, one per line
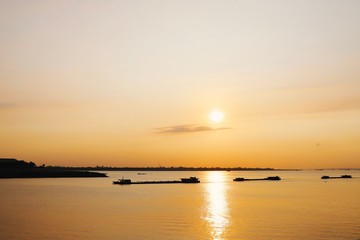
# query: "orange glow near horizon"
[137,91]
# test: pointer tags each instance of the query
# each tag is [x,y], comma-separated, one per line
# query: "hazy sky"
[131,83]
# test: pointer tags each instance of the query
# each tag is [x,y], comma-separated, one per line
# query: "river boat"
[342,176]
[123,181]
[273,178]
[190,180]
[276,178]
[182,180]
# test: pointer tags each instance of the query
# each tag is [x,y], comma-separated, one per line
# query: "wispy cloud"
[301,100]
[8,105]
[187,128]
[337,105]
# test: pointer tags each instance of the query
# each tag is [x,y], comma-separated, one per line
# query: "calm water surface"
[301,206]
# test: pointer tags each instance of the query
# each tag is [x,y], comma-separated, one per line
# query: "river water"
[300,206]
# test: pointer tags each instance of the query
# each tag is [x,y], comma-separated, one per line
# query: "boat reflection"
[217,211]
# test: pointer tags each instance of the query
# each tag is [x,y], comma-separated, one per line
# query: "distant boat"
[342,176]
[141,173]
[182,180]
[239,179]
[122,181]
[190,180]
[274,178]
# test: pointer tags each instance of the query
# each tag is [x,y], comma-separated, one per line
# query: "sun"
[216,116]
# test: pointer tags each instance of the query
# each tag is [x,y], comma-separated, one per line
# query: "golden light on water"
[217,211]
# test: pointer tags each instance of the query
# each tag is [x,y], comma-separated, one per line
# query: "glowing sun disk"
[216,116]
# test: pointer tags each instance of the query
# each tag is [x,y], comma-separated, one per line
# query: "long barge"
[276,178]
[342,176]
[182,180]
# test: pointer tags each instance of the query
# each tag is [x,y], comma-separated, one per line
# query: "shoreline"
[48,173]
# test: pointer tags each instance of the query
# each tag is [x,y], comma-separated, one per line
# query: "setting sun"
[216,116]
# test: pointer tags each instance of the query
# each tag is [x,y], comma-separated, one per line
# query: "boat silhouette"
[342,176]
[124,181]
[273,178]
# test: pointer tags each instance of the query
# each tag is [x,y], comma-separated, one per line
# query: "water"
[300,206]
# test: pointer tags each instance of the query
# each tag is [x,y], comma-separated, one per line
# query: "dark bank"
[13,168]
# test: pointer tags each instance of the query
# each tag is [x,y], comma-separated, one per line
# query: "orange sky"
[132,83]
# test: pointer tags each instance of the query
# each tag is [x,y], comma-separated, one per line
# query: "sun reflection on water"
[217,212]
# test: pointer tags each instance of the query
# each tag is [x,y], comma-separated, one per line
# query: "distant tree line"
[14,163]
[106,168]
[11,163]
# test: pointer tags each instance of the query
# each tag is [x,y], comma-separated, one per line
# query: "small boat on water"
[342,176]
[122,181]
[182,180]
[274,178]
[190,180]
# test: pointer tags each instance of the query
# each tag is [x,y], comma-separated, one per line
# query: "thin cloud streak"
[186,128]
[8,105]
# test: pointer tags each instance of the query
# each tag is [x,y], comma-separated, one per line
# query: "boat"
[274,178]
[190,180]
[342,176]
[182,180]
[239,179]
[122,181]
